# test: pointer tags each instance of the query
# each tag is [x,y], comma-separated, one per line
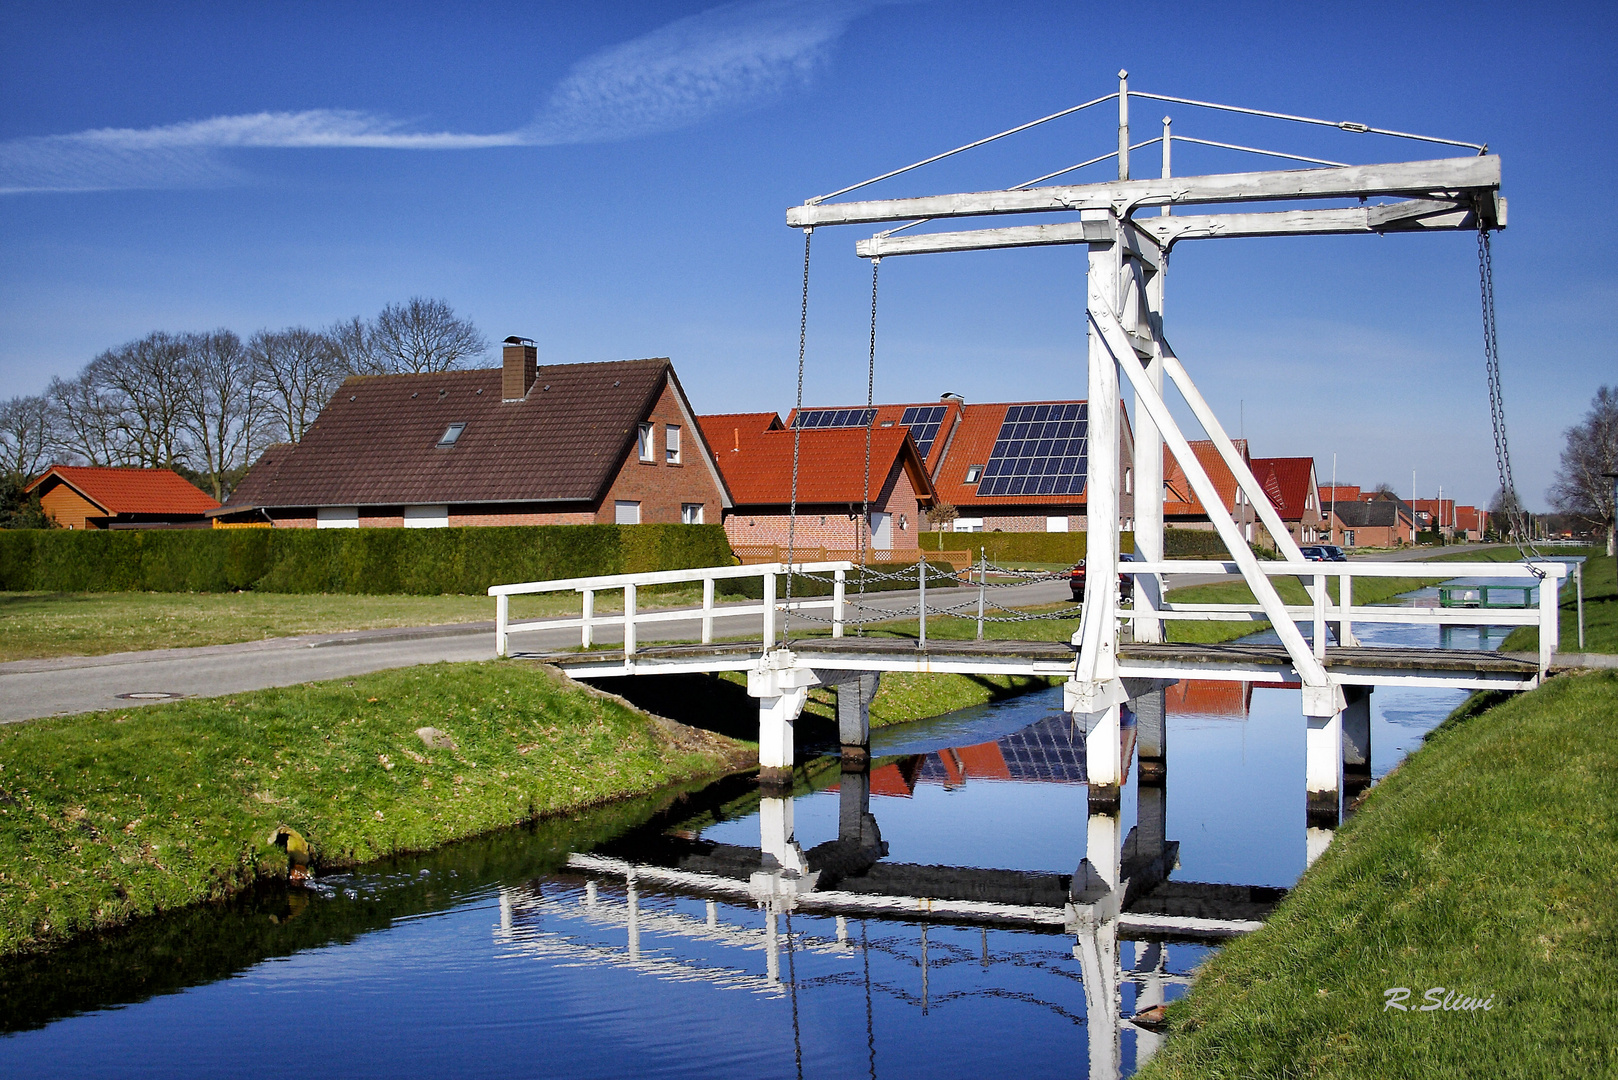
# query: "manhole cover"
[150,695]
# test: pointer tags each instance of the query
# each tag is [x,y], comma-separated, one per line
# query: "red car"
[1126,582]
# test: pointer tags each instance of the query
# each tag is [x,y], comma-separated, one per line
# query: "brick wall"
[834,526]
[661,487]
[471,516]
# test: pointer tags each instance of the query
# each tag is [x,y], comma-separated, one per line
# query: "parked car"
[1334,553]
[1315,553]
[1126,582]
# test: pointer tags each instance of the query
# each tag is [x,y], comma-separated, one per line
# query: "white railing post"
[1549,623]
[586,635]
[1578,585]
[921,575]
[839,590]
[983,584]
[1320,616]
[707,610]
[502,610]
[1345,600]
[629,620]
[769,608]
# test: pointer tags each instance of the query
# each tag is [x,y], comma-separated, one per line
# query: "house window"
[691,513]
[426,517]
[1129,481]
[451,433]
[973,473]
[337,517]
[1056,524]
[968,525]
[626,512]
[644,443]
[671,443]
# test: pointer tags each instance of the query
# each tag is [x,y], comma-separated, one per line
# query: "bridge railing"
[631,617]
[1342,614]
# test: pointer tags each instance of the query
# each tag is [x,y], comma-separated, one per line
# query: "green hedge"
[420,561]
[1021,547]
[1203,542]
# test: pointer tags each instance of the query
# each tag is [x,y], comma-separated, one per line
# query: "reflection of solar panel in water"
[1049,751]
[923,422]
[1041,450]
[834,418]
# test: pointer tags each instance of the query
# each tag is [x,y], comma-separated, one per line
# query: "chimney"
[518,364]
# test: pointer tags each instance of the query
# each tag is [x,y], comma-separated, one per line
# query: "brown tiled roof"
[131,491]
[376,442]
[257,483]
[831,462]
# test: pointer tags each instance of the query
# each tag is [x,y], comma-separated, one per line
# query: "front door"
[882,532]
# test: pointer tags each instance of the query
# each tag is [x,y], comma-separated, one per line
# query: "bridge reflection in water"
[676,905]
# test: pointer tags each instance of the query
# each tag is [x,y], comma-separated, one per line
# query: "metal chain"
[1515,519]
[797,437]
[870,400]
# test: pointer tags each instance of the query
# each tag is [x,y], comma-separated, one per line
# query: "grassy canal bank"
[1483,867]
[106,817]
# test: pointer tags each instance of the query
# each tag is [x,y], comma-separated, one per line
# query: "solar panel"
[1041,450]
[923,422]
[834,418]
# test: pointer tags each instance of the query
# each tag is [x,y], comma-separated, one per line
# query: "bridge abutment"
[854,699]
[1356,740]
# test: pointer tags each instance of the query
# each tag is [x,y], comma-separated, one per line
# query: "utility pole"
[1412,507]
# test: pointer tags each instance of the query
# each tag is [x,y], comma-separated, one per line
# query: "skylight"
[451,433]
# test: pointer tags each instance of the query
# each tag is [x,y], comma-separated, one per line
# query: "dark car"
[1333,553]
[1126,582]
[1315,553]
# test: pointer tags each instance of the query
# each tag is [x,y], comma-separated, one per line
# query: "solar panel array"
[923,422]
[834,418]
[1041,450]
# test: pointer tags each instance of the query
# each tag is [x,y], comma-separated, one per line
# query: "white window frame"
[968,525]
[426,517]
[691,513]
[671,444]
[337,517]
[1056,524]
[974,473]
[644,443]
[626,508]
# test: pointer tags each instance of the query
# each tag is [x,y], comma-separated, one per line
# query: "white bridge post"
[630,643]
[587,620]
[839,593]
[502,613]
[707,610]
[1104,756]
[854,715]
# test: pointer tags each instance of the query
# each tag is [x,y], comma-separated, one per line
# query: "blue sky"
[611,179]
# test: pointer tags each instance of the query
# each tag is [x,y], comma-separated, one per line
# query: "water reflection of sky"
[526,976]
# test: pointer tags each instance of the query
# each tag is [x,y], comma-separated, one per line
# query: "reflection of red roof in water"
[983,762]
[1208,697]
[890,779]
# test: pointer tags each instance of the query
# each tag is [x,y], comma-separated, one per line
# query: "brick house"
[1470,522]
[1370,523]
[97,497]
[1005,466]
[1295,493]
[1181,507]
[755,452]
[520,444]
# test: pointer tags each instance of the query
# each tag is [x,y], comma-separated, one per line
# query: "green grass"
[36,625]
[1600,611]
[109,816]
[1484,865]
[1367,590]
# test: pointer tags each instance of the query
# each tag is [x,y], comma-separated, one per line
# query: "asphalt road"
[35,688]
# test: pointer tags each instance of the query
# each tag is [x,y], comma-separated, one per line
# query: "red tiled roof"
[888,416]
[972,444]
[1289,482]
[724,430]
[1178,498]
[1344,493]
[757,463]
[131,491]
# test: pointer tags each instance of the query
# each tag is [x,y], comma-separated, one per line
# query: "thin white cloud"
[730,57]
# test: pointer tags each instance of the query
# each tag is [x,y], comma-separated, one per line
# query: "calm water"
[497,957]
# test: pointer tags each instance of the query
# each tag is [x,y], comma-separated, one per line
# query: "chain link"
[1516,521]
[797,435]
[870,401]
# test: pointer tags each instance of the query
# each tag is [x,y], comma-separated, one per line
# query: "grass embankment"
[37,625]
[1482,865]
[1367,590]
[1600,611]
[109,816]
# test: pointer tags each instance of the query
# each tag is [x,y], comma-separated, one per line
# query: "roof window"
[973,473]
[451,433]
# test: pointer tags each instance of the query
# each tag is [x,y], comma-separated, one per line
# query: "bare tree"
[423,335]
[939,516]
[297,371]
[354,341]
[27,435]
[147,381]
[1580,489]
[223,411]
[89,418]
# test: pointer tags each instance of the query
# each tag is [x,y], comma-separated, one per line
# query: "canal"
[655,938]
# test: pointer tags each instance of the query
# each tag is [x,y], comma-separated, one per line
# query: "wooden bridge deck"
[1258,663]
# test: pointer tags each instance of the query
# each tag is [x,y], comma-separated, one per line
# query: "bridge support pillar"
[1323,769]
[1103,755]
[854,716]
[1356,740]
[775,719]
[1151,737]
[855,824]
